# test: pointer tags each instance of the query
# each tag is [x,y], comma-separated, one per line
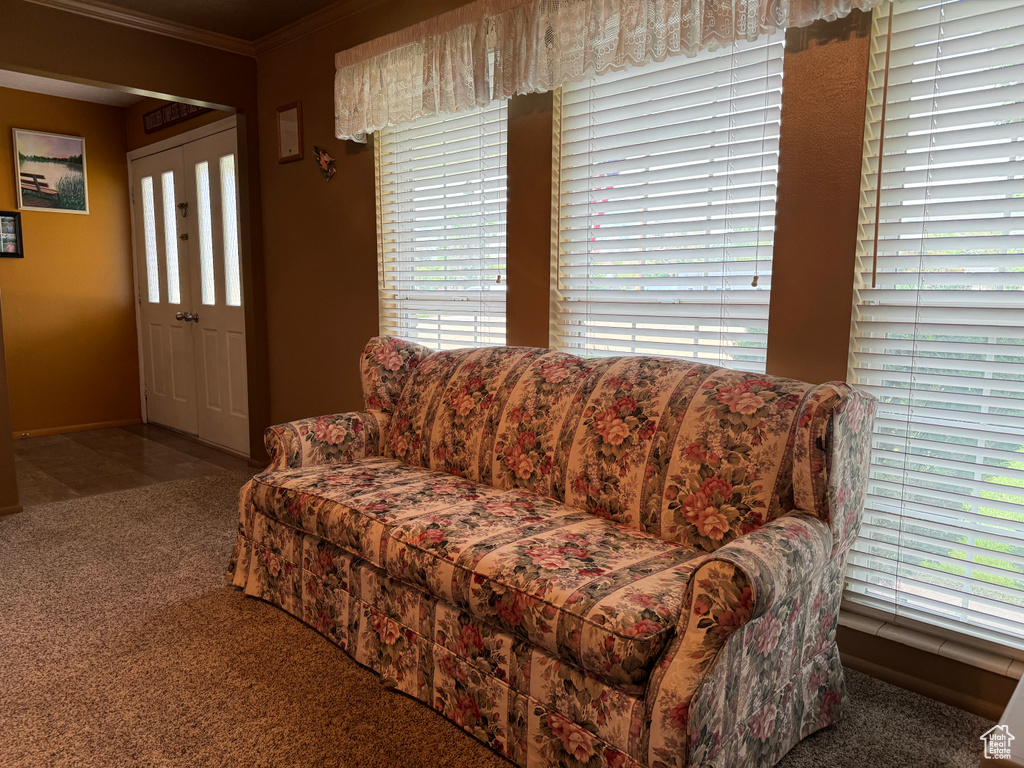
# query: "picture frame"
[50,172]
[12,245]
[289,132]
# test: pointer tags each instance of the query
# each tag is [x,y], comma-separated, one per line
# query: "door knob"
[187,316]
[180,316]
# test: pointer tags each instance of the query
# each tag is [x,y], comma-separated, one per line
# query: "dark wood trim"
[953,682]
[257,352]
[528,242]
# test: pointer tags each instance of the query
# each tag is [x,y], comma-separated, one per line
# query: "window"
[170,239]
[149,232]
[441,229]
[207,284]
[666,207]
[229,220]
[938,333]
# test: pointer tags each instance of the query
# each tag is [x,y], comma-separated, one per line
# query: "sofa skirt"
[534,709]
[526,705]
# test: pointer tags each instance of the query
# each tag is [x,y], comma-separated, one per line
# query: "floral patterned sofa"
[629,561]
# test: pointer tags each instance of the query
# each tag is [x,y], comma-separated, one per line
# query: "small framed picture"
[51,172]
[11,244]
[289,132]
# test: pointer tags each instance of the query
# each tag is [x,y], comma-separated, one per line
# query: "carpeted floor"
[120,645]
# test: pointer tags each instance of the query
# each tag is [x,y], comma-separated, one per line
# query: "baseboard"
[13,509]
[947,680]
[74,428]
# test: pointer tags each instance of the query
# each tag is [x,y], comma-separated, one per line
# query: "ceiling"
[244,19]
[67,90]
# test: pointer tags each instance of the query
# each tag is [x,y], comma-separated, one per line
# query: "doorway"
[188,287]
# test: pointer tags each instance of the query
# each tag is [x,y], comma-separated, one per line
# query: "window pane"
[666,207]
[205,234]
[441,210]
[229,204]
[149,231]
[171,239]
[938,331]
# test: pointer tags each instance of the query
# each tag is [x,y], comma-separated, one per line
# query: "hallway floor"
[68,466]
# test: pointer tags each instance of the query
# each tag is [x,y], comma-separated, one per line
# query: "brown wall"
[320,236]
[824,93]
[137,136]
[68,309]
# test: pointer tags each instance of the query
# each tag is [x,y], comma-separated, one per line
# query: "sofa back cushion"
[686,451]
[729,469]
[538,426]
[384,368]
[450,407]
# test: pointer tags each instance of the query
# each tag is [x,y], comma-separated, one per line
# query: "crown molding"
[309,25]
[146,23]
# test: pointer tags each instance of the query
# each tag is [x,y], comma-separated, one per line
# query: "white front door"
[162,265]
[190,294]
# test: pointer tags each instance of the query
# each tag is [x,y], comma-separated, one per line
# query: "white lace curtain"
[443,65]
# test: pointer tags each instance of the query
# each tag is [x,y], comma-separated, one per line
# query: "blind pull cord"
[881,149]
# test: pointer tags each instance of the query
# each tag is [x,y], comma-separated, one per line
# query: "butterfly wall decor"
[325,161]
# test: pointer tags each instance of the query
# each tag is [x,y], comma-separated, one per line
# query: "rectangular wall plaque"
[170,114]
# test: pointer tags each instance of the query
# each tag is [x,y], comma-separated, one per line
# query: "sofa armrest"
[730,588]
[782,554]
[338,438]
[849,466]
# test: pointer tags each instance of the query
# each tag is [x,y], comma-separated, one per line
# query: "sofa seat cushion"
[596,594]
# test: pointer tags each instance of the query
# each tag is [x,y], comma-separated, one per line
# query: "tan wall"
[68,309]
[137,136]
[94,52]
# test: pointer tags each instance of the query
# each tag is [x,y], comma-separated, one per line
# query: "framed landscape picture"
[11,244]
[51,172]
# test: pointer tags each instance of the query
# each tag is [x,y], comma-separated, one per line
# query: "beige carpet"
[120,645]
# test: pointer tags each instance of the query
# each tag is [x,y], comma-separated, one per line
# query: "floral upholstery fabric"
[343,437]
[525,704]
[448,412]
[618,562]
[384,368]
[688,452]
[722,470]
[739,584]
[603,597]
[536,430]
[849,462]
[778,680]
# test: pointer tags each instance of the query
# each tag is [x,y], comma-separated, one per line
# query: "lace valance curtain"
[444,64]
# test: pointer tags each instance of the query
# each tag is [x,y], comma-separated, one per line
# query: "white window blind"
[441,224]
[665,214]
[938,331]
